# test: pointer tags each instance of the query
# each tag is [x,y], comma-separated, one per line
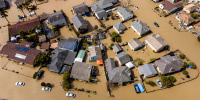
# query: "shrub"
[198,38]
[43,84]
[182,56]
[95,92]
[193,65]
[166,82]
[70,29]
[150,83]
[35,75]
[154,51]
[152,59]
[185,72]
[172,79]
[88,91]
[193,15]
[115,37]
[48,84]
[184,65]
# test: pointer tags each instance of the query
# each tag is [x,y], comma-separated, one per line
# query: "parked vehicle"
[137,90]
[46,89]
[70,95]
[20,83]
[136,7]
[41,72]
[189,27]
[140,87]
[114,9]
[159,83]
[176,13]
[18,22]
[156,24]
[21,17]
[31,14]
[181,26]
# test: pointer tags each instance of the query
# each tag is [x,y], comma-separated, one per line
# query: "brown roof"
[169,6]
[197,29]
[42,38]
[190,7]
[45,46]
[185,18]
[25,26]
[23,56]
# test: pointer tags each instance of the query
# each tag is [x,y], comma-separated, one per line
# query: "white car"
[20,83]
[114,9]
[46,89]
[159,83]
[70,95]
[31,14]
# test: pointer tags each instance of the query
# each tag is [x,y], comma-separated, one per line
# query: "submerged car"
[46,89]
[20,83]
[70,95]
[159,83]
[156,24]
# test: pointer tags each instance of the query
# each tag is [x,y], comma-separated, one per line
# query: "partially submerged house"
[123,58]
[80,9]
[139,27]
[119,27]
[185,19]
[106,4]
[70,44]
[147,70]
[56,19]
[94,53]
[190,8]
[169,7]
[125,13]
[80,24]
[117,75]
[168,64]
[101,15]
[81,71]
[117,49]
[135,44]
[156,42]
[20,52]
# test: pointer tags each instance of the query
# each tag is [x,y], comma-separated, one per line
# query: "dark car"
[156,24]
[137,90]
[41,72]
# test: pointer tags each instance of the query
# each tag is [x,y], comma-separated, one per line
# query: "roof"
[123,58]
[95,8]
[25,26]
[140,26]
[93,36]
[168,64]
[117,74]
[81,54]
[45,46]
[135,43]
[190,7]
[185,18]
[94,51]
[2,4]
[125,12]
[119,26]
[103,4]
[42,38]
[101,36]
[56,18]
[170,6]
[54,45]
[99,61]
[101,14]
[50,34]
[78,21]
[147,70]
[82,8]
[156,41]
[69,44]
[117,48]
[21,52]
[81,71]
[197,29]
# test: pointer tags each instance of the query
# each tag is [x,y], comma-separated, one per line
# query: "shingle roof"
[119,26]
[82,8]
[95,8]
[81,71]
[56,18]
[78,21]
[2,4]
[117,48]
[106,3]
[170,6]
[123,58]
[25,26]
[101,36]
[147,70]
[185,18]
[94,51]
[101,14]
[50,34]
[69,44]
[135,43]
[125,12]
[140,26]
[190,7]
[45,46]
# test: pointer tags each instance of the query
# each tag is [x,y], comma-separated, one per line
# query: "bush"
[48,84]
[43,84]
[95,92]
[70,29]
[182,56]
[185,72]
[88,91]
[172,79]
[154,51]
[193,15]
[35,75]
[198,38]
[193,65]
[152,59]
[184,65]
[166,82]
[150,83]
[115,37]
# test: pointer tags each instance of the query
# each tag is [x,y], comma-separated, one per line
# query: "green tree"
[198,38]
[184,65]
[35,75]
[66,80]
[152,59]
[26,5]
[3,13]
[66,76]
[193,15]
[193,65]
[48,85]
[32,38]
[42,59]
[166,82]
[22,34]
[150,83]
[185,72]
[33,8]
[115,37]
[21,7]
[172,79]
[182,56]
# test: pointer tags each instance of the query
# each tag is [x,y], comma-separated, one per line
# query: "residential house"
[70,44]
[190,8]
[3,4]
[117,49]
[106,4]
[125,13]
[117,75]
[101,15]
[197,30]
[185,19]
[20,52]
[169,7]
[42,38]
[51,34]
[147,70]
[168,64]
[156,42]
[81,71]
[56,19]
[45,46]
[80,9]
[119,27]
[123,58]
[25,26]
[81,55]
[94,53]
[139,27]
[80,24]
[135,44]
[61,57]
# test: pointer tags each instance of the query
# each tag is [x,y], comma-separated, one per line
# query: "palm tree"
[3,13]
[33,7]
[21,7]
[26,5]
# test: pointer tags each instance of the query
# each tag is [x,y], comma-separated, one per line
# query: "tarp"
[99,61]
[129,65]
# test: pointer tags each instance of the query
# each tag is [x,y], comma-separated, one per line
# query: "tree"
[26,5]
[150,83]
[66,80]
[184,65]
[43,84]
[193,15]
[48,84]
[35,75]
[21,7]
[115,37]
[198,38]
[172,79]
[185,72]
[193,65]
[3,13]
[166,82]
[42,59]
[32,38]
[182,56]
[22,34]
[152,59]
[95,27]
[33,8]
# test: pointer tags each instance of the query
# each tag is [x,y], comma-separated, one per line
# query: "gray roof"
[101,14]
[50,34]
[125,12]
[81,71]
[135,43]
[68,44]
[2,4]
[140,26]
[117,48]
[117,74]
[168,64]
[82,8]
[101,36]
[123,58]
[95,8]
[94,51]
[119,26]
[78,21]
[106,3]
[147,70]
[56,18]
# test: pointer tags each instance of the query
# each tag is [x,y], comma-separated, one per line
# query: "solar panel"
[26,49]
[16,47]
[22,49]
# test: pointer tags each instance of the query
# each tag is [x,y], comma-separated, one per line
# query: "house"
[135,44]
[190,8]
[147,70]
[42,38]
[51,34]
[117,49]
[169,7]
[80,9]
[119,27]
[45,46]
[101,36]
[117,75]
[185,19]
[81,55]
[123,58]
[125,13]
[106,4]
[3,4]
[197,29]
[101,15]
[156,42]
[94,53]
[25,26]
[80,24]
[139,27]
[56,19]
[81,71]
[70,44]
[20,52]
[168,64]
[61,57]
